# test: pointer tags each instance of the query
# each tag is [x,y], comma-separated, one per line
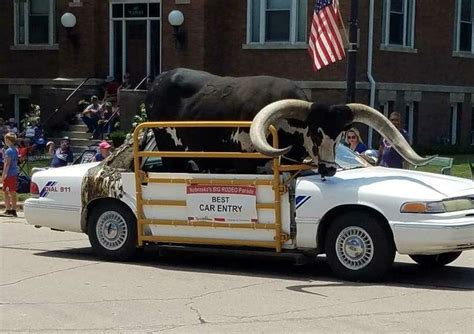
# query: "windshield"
[347,159]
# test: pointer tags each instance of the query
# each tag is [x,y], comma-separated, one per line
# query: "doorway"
[135,39]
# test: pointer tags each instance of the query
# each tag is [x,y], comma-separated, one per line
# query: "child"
[10,174]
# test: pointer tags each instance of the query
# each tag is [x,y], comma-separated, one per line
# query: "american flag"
[325,42]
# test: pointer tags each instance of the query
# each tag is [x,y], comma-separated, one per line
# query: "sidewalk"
[9,219]
[19,206]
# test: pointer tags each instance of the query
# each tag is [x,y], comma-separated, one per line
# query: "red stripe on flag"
[325,42]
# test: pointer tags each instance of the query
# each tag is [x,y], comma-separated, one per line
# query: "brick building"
[414,57]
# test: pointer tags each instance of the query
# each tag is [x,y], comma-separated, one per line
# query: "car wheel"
[437,260]
[358,247]
[112,231]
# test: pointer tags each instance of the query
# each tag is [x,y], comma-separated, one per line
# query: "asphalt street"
[51,282]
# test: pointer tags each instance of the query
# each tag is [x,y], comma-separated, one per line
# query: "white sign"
[221,203]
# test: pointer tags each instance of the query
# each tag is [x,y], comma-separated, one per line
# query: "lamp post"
[176,19]
[352,52]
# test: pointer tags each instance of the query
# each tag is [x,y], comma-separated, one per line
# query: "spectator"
[63,155]
[104,151]
[12,127]
[126,84]
[388,157]
[108,119]
[149,82]
[23,150]
[90,115]
[3,129]
[354,142]
[2,155]
[30,131]
[38,142]
[10,174]
[111,89]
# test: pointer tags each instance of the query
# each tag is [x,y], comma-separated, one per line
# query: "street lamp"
[68,21]
[176,19]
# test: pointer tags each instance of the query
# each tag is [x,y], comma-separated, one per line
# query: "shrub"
[33,116]
[140,117]
[118,137]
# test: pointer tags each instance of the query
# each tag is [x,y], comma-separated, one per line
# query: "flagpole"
[352,53]
[344,35]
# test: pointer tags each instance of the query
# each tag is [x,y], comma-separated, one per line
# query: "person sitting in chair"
[63,155]
[104,151]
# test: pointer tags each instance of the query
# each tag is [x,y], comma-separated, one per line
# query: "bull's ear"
[344,114]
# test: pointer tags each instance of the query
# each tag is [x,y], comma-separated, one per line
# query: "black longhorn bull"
[305,129]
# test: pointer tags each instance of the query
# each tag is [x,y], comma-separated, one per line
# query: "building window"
[464,29]
[399,23]
[35,22]
[472,123]
[411,120]
[387,108]
[455,129]
[277,21]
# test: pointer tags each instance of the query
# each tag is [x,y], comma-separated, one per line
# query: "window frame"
[387,4]
[26,18]
[457,28]
[472,120]
[411,126]
[262,22]
[455,122]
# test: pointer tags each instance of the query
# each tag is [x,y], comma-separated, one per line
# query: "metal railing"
[140,83]
[278,187]
[65,101]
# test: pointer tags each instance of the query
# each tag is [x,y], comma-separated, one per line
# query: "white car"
[359,218]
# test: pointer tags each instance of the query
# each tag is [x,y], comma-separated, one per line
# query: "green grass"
[460,169]
[460,166]
[27,168]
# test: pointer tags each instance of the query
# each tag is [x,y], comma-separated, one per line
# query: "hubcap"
[111,230]
[354,248]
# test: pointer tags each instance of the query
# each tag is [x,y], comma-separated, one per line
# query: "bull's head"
[322,129]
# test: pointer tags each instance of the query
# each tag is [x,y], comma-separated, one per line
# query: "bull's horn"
[295,109]
[375,119]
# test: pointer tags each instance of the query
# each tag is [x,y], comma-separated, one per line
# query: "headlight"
[450,205]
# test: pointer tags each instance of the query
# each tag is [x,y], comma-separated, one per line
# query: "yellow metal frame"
[141,177]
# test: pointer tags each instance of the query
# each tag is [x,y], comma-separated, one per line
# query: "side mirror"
[371,156]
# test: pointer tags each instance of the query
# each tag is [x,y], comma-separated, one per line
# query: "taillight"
[34,190]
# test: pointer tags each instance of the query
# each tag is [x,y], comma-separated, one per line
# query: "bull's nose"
[326,171]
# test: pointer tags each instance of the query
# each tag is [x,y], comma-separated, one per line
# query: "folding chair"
[85,157]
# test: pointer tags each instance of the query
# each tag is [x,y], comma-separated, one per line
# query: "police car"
[359,218]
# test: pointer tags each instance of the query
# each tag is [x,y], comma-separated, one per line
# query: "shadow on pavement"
[406,275]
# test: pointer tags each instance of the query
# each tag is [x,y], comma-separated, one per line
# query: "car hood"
[401,183]
[69,171]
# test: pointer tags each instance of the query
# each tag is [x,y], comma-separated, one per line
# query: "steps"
[79,137]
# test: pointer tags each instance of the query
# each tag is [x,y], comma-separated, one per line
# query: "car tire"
[359,247]
[112,232]
[437,260]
